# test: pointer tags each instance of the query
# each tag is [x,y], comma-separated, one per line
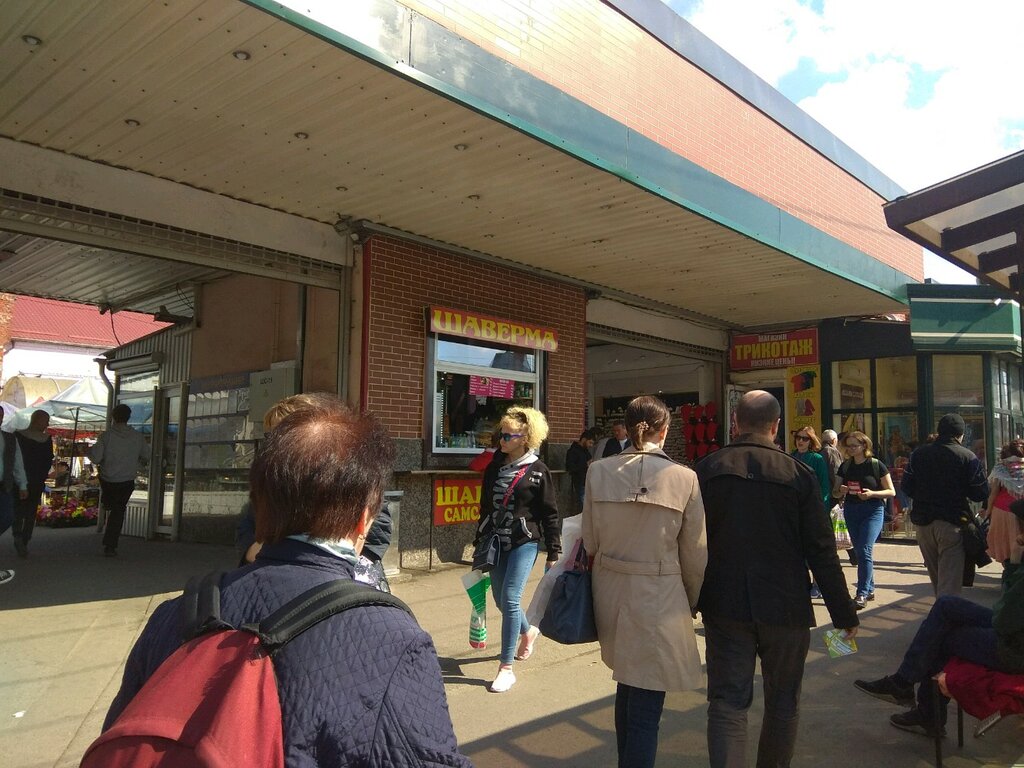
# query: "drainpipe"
[300,338]
[102,363]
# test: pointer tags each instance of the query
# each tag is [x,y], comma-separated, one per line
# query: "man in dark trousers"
[941,477]
[119,451]
[577,461]
[12,472]
[36,447]
[766,525]
[617,443]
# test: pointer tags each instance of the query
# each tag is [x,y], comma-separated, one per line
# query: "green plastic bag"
[477,585]
[839,529]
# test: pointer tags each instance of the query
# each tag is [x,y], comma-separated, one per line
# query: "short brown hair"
[318,470]
[1012,448]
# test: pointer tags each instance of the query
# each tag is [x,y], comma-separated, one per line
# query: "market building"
[431,211]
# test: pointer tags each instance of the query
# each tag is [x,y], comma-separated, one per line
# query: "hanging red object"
[711,410]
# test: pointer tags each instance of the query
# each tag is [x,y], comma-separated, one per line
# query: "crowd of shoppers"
[731,541]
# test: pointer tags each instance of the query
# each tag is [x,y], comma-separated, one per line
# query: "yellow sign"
[456,501]
[455,322]
[803,400]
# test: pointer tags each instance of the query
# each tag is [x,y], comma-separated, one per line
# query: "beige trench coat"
[643,523]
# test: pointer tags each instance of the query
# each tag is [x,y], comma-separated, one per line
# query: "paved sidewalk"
[70,616]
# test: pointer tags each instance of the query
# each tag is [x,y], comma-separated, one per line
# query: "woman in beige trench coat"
[643,527]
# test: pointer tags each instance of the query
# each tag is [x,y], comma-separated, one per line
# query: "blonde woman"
[518,505]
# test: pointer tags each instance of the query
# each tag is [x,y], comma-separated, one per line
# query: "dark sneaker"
[6,576]
[109,552]
[815,592]
[871,596]
[860,601]
[915,722]
[887,689]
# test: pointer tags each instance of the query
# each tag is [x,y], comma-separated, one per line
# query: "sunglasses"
[505,436]
[801,437]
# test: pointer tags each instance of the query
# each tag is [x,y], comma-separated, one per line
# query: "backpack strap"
[313,606]
[200,606]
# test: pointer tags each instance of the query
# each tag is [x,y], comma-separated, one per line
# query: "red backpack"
[214,701]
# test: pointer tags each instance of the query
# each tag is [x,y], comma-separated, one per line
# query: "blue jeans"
[508,580]
[864,521]
[953,627]
[637,717]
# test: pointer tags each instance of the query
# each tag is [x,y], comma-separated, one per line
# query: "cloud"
[922,90]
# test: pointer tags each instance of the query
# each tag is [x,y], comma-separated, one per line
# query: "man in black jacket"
[940,478]
[577,461]
[766,525]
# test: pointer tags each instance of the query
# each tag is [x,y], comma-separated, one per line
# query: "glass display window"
[957,381]
[473,385]
[897,437]
[896,382]
[851,385]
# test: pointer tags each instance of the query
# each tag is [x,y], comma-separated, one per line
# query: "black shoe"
[887,689]
[815,592]
[860,601]
[915,722]
[109,552]
[870,597]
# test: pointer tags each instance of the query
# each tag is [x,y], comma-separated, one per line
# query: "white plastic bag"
[572,534]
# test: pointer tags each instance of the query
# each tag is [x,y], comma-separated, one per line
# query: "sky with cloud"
[922,90]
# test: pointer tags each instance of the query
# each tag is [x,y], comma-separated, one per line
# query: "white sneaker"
[7,575]
[506,679]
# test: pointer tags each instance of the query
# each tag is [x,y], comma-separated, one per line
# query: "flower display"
[71,514]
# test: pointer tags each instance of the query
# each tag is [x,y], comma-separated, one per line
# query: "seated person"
[955,627]
[61,475]
[362,687]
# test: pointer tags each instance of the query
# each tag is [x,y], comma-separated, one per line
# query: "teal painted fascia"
[424,52]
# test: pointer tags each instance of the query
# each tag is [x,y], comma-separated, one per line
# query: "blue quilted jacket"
[363,688]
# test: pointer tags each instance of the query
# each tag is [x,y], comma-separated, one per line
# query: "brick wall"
[6,315]
[593,53]
[405,278]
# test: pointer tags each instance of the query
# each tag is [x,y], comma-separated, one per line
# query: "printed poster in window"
[803,399]
[488,386]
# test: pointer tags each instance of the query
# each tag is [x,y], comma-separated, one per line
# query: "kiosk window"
[473,386]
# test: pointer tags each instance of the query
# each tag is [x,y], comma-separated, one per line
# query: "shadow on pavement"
[66,566]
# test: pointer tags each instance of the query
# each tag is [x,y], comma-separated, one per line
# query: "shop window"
[851,385]
[896,382]
[848,422]
[958,381]
[474,384]
[897,436]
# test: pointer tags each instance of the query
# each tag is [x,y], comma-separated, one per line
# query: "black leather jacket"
[766,525]
[940,478]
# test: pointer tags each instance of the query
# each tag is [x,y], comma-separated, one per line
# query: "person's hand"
[23,494]
[864,495]
[843,490]
[941,680]
[548,565]
[850,633]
